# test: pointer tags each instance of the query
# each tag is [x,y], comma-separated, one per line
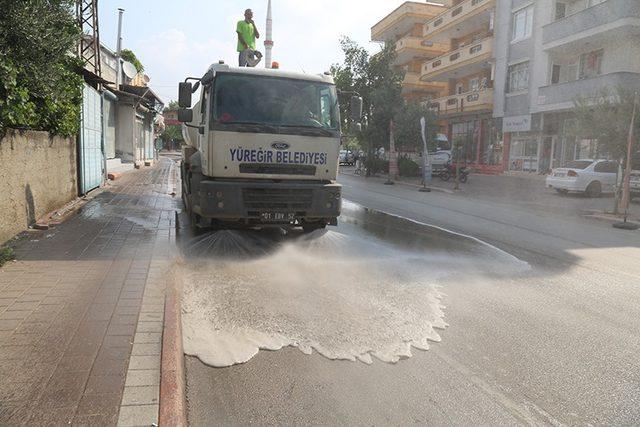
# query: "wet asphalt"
[557,344]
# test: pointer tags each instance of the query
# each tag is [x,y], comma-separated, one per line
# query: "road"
[554,344]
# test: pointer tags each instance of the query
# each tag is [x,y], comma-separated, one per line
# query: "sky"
[176,39]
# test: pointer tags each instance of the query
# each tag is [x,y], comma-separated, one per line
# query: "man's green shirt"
[248,34]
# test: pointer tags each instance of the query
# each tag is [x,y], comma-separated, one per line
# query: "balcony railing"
[601,15]
[419,43]
[464,55]
[408,9]
[412,83]
[566,93]
[465,102]
[456,14]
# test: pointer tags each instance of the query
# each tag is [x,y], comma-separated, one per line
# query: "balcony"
[469,59]
[415,48]
[402,20]
[612,19]
[475,14]
[561,96]
[463,103]
[412,85]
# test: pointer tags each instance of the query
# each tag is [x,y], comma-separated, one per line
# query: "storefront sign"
[517,124]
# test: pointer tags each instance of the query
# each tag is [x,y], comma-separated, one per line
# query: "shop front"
[478,143]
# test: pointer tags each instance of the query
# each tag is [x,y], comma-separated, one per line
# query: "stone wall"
[38,174]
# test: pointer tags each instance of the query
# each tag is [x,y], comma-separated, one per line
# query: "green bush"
[6,255]
[408,167]
[39,86]
[376,165]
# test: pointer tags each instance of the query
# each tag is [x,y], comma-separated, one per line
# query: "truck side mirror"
[185,115]
[356,108]
[185,89]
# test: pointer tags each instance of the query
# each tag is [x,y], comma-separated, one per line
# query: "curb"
[408,184]
[172,381]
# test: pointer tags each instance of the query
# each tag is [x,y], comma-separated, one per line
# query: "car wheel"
[594,189]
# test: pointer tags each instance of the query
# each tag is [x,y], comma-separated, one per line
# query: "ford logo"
[280,146]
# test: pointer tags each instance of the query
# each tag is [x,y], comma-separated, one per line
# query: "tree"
[380,86]
[172,106]
[129,56]
[39,86]
[408,132]
[606,117]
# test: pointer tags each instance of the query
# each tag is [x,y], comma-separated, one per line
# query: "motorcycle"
[450,171]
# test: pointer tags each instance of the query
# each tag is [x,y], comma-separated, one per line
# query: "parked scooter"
[450,171]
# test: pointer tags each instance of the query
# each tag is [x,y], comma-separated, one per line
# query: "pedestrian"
[247,35]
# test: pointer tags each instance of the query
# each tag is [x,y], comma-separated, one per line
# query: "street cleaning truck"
[261,148]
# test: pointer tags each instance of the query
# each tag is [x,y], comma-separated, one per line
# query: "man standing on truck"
[247,35]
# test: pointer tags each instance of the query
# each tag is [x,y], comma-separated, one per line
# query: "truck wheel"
[310,228]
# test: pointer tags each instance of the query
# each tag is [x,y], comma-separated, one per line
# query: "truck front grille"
[277,169]
[277,199]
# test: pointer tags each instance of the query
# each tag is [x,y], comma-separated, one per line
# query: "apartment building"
[404,28]
[465,107]
[547,53]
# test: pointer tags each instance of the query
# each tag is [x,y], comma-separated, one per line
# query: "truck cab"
[261,148]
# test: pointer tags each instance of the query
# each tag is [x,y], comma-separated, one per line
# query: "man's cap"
[248,11]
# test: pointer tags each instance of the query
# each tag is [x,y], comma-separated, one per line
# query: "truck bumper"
[250,202]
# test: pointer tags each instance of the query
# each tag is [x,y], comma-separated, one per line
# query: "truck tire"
[310,228]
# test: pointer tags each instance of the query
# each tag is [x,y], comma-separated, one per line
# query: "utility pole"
[268,42]
[119,49]
[627,170]
[89,46]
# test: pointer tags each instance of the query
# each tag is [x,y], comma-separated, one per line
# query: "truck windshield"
[274,105]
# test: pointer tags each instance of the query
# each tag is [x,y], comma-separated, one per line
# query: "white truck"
[261,148]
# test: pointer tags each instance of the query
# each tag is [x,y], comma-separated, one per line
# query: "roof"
[321,78]
[143,92]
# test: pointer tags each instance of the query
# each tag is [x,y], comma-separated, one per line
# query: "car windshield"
[579,164]
[280,105]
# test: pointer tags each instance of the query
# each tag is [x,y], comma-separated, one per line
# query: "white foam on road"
[346,296]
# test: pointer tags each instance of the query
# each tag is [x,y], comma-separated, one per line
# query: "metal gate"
[90,147]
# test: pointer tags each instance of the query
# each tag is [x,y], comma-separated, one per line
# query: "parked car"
[635,183]
[439,160]
[346,158]
[592,177]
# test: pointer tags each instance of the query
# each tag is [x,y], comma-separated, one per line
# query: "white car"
[592,177]
[439,159]
[634,184]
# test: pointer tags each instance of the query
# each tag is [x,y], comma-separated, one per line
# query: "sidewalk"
[81,309]
[527,191]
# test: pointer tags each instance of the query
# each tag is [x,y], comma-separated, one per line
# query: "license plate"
[277,216]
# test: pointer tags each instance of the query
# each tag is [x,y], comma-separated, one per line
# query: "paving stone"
[138,378]
[99,404]
[143,395]
[9,325]
[144,362]
[105,384]
[154,349]
[140,415]
[147,338]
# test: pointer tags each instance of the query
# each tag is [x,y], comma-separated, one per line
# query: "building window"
[475,49]
[522,24]
[474,84]
[590,64]
[518,77]
[561,10]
